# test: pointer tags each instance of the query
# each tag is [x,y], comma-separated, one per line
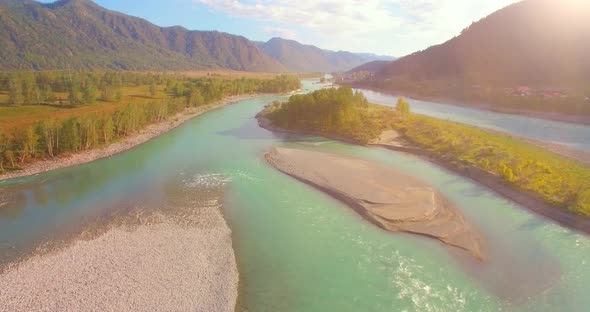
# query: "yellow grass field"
[13,117]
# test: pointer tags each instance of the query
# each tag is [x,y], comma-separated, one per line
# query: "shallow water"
[573,135]
[298,249]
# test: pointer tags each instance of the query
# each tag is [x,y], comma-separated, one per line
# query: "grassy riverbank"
[558,181]
[54,114]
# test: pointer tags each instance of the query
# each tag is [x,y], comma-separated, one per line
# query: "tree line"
[73,88]
[31,88]
[340,112]
[51,137]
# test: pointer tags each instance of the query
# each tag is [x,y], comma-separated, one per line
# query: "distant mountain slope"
[372,67]
[298,57]
[534,42]
[375,57]
[80,34]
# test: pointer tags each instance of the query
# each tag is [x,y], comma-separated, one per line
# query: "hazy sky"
[390,27]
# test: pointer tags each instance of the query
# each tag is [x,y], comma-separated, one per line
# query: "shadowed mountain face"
[371,67]
[534,42]
[80,34]
[298,57]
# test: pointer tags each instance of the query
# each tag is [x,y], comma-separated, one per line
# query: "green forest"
[112,117]
[339,112]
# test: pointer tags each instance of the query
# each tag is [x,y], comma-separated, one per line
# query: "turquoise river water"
[298,249]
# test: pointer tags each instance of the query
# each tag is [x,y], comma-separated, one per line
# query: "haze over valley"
[200,155]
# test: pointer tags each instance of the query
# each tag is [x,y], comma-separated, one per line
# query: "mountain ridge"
[299,57]
[80,34]
[84,35]
[509,47]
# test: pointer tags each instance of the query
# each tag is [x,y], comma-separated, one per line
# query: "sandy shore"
[177,259]
[390,199]
[127,143]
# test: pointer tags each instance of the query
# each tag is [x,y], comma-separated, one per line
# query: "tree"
[4,144]
[195,98]
[335,111]
[107,128]
[30,89]
[15,92]
[26,142]
[153,90]
[9,156]
[403,107]
[74,96]
[46,93]
[48,133]
[178,89]
[89,93]
[70,135]
[507,173]
[107,93]
[88,131]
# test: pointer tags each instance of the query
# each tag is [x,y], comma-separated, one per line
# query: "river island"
[388,198]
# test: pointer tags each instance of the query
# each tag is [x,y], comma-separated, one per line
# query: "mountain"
[298,57]
[82,35]
[375,57]
[371,67]
[533,42]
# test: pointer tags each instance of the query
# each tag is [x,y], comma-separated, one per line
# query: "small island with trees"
[550,184]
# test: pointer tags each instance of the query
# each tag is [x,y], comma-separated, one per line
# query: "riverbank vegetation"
[47,114]
[340,112]
[557,180]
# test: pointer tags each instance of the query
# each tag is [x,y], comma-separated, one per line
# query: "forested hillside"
[79,34]
[533,42]
[530,57]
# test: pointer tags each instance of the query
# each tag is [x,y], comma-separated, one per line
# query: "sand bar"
[388,198]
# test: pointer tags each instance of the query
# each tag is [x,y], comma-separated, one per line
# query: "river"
[298,249]
[576,136]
